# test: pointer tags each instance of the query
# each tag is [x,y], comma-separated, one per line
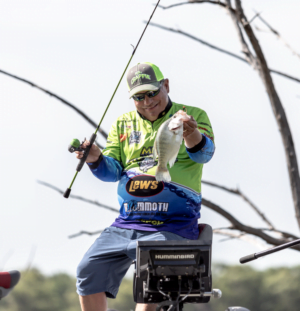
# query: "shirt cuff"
[198,146]
[94,165]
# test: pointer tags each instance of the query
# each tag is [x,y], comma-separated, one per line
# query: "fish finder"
[171,273]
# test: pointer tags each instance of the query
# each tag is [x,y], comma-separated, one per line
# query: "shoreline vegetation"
[273,289]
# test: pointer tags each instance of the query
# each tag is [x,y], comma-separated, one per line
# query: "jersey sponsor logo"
[124,126]
[123,137]
[135,137]
[146,164]
[146,151]
[162,207]
[144,186]
[135,160]
[152,222]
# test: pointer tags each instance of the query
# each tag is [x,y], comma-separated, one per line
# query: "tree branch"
[104,134]
[236,225]
[277,34]
[254,17]
[239,193]
[245,49]
[241,236]
[79,197]
[220,49]
[192,2]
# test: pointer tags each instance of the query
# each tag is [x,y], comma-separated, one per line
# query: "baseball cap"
[143,77]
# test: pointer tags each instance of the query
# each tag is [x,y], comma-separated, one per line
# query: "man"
[149,210]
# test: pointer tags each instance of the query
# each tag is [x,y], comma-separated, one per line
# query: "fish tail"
[162,174]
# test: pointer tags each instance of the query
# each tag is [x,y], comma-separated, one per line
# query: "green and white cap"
[143,77]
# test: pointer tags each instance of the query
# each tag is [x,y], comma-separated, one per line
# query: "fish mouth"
[175,128]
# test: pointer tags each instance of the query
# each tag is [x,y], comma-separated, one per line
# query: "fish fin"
[154,151]
[172,160]
[162,174]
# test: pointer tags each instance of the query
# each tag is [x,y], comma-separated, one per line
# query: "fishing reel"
[75,145]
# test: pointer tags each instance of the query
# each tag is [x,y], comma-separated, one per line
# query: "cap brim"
[144,87]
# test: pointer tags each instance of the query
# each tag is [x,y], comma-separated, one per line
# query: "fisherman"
[149,210]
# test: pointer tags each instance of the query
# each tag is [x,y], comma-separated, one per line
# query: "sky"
[79,50]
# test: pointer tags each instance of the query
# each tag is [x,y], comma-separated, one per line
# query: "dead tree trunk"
[260,63]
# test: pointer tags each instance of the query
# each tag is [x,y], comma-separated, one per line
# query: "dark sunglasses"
[150,94]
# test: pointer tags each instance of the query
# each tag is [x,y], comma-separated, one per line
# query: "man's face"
[150,108]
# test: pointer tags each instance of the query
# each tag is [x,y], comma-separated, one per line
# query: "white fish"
[167,144]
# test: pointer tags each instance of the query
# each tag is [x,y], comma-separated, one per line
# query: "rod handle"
[67,193]
[248,258]
[86,152]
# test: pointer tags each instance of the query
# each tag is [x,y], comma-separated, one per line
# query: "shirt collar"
[162,114]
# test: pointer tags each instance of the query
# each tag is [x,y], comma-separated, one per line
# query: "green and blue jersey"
[146,204]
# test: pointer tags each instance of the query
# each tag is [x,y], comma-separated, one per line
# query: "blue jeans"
[106,262]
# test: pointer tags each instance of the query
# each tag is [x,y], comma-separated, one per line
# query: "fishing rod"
[75,143]
[269,251]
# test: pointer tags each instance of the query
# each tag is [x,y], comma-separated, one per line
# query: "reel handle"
[86,153]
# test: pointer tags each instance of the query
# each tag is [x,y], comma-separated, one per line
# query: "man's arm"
[106,169]
[199,147]
[107,166]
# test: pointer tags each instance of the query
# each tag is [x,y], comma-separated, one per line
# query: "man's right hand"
[94,154]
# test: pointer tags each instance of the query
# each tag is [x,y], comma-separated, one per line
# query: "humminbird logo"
[185,256]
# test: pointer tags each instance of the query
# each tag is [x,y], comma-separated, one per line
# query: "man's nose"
[148,101]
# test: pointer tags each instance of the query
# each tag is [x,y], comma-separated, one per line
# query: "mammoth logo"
[144,186]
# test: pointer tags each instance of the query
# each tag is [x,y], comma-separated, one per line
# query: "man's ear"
[167,85]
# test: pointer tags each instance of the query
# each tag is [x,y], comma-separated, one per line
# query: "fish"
[167,144]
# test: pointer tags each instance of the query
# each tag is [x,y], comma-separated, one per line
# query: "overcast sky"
[79,50]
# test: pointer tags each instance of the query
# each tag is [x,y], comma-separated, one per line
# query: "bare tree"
[258,61]
[253,56]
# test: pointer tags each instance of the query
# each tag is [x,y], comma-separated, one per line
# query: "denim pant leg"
[105,264]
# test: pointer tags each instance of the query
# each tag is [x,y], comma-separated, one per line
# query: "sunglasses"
[150,94]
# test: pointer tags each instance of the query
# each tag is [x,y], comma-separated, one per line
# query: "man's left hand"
[189,127]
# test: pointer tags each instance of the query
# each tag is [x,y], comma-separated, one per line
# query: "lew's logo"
[144,186]
[139,75]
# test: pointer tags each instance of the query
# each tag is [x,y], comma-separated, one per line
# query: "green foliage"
[124,300]
[269,290]
[37,292]
[272,289]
